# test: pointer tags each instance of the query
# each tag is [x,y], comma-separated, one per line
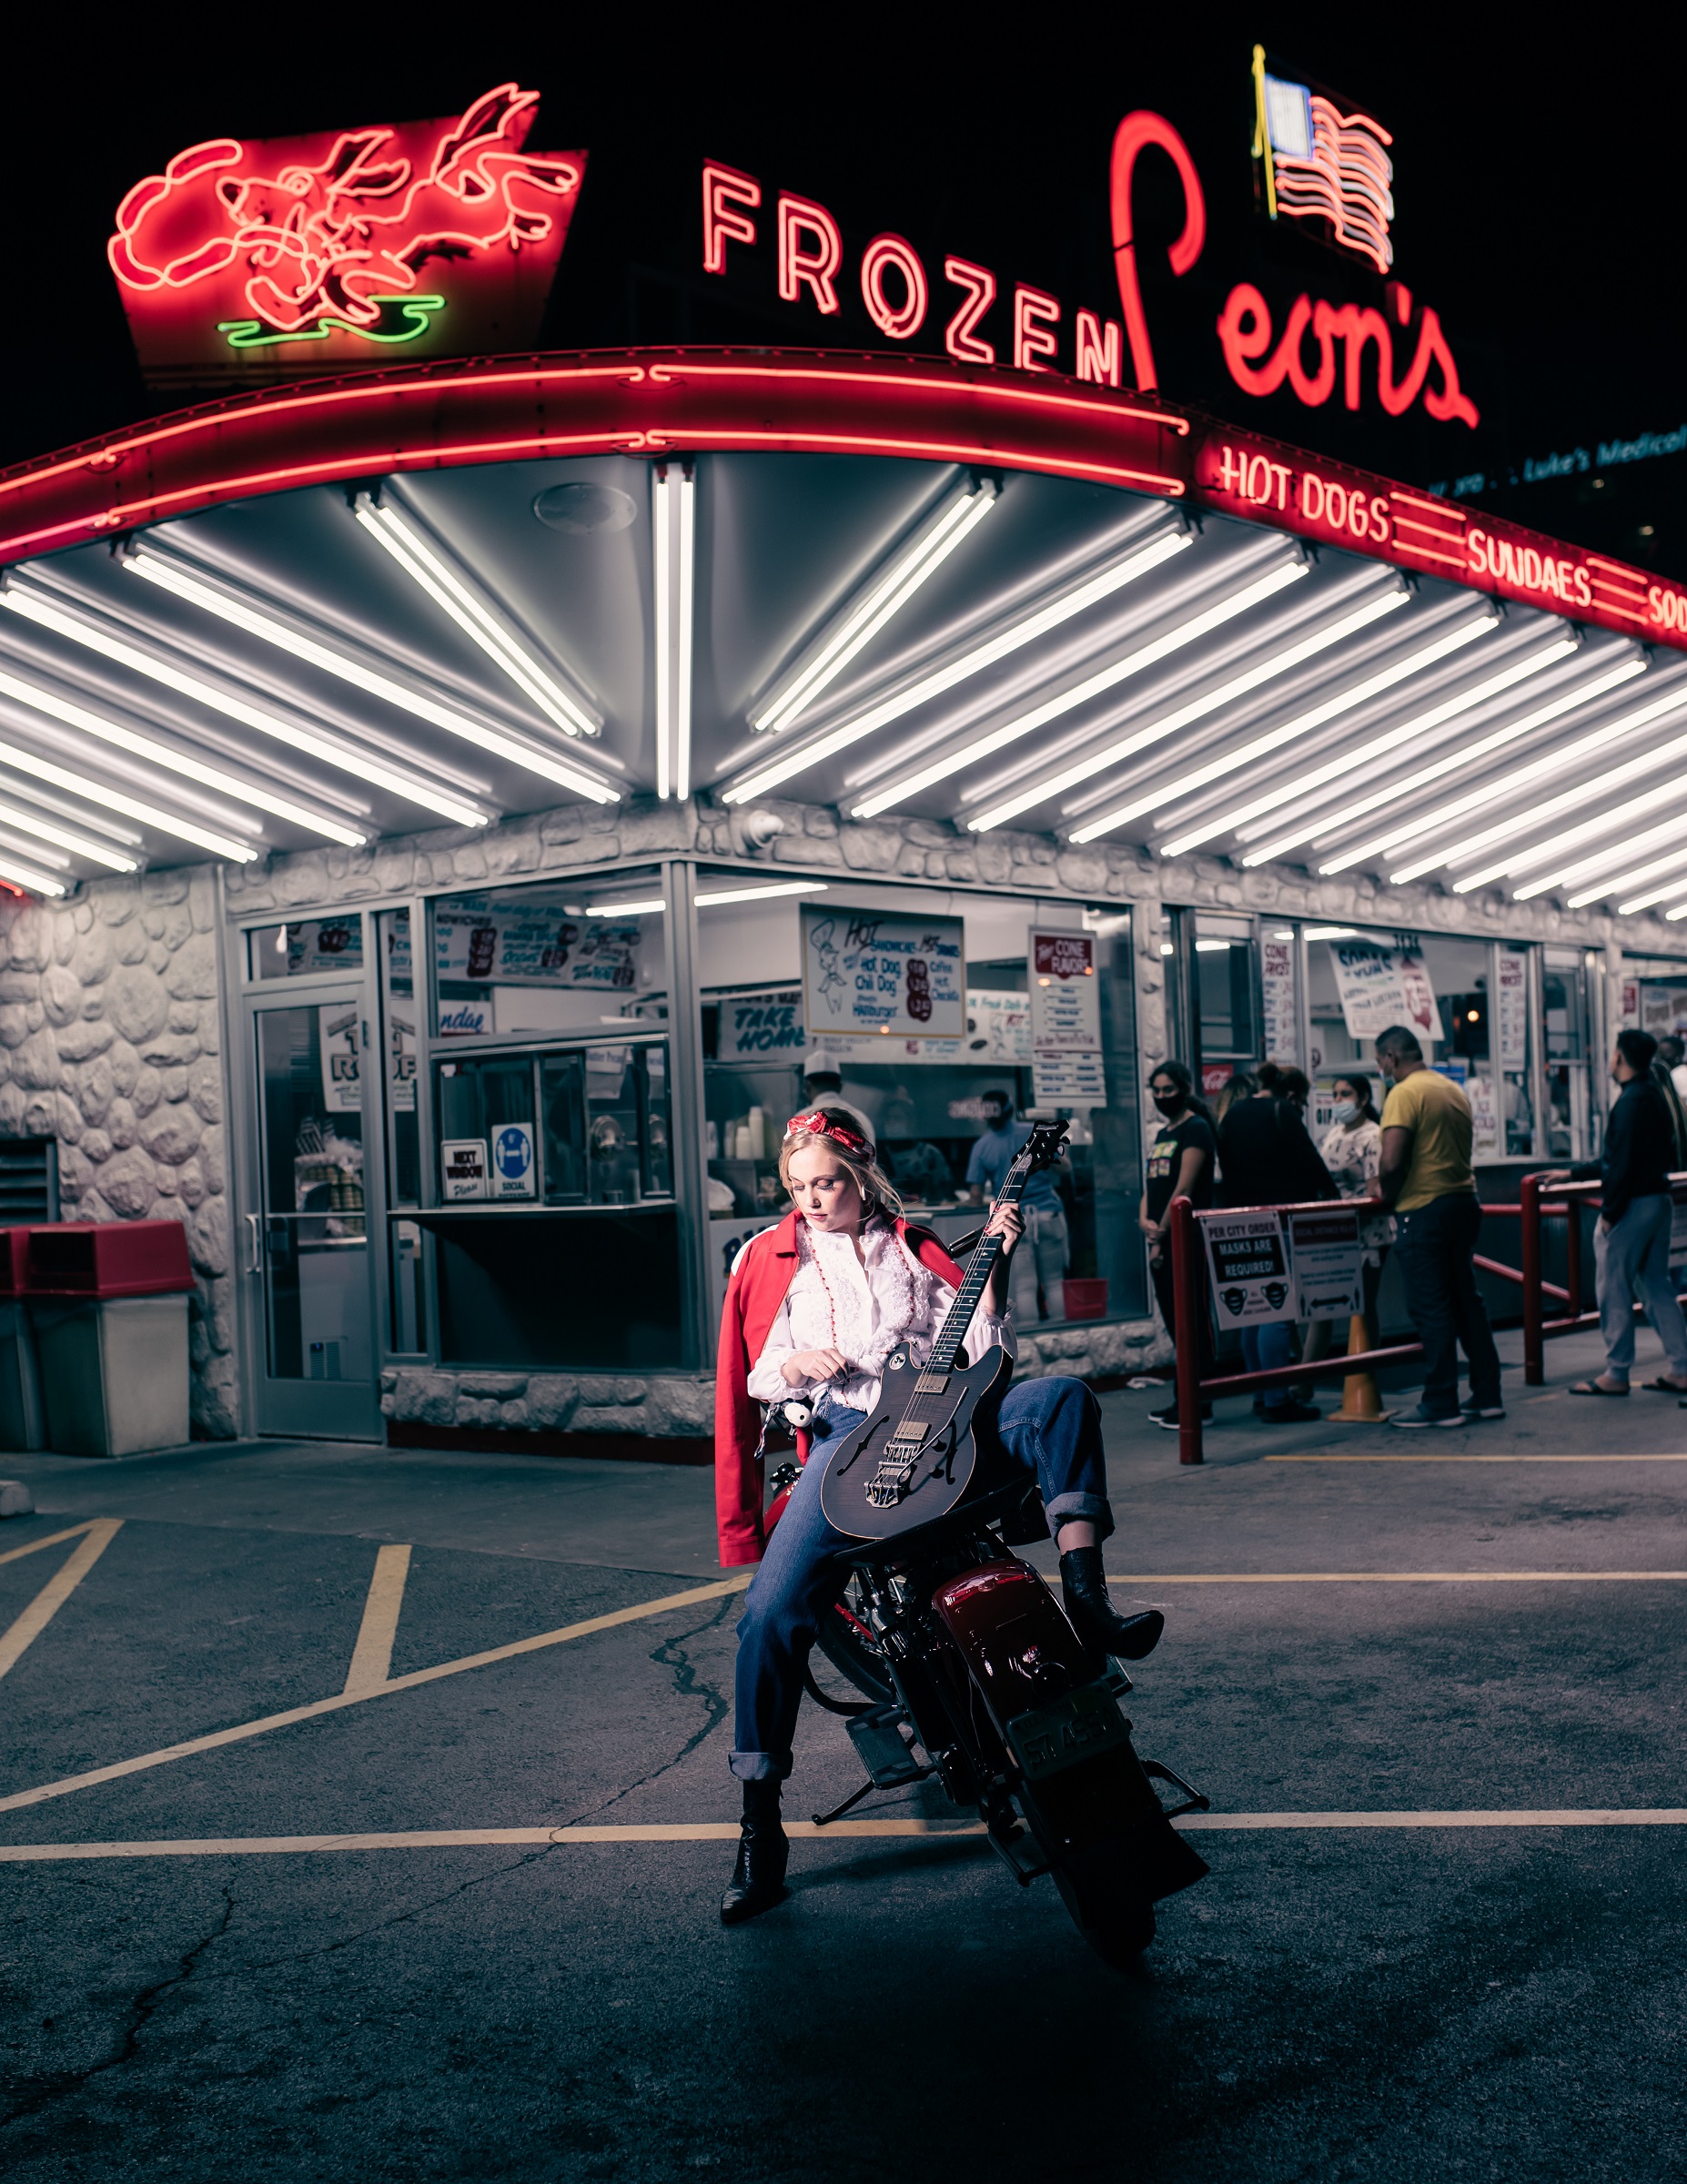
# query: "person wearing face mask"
[1179,1164]
[1352,1149]
[1631,1242]
[1425,1177]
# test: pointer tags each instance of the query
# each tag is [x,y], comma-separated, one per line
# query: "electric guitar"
[913,1458]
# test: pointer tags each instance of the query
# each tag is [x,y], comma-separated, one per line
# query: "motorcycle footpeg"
[1007,1838]
[883,1749]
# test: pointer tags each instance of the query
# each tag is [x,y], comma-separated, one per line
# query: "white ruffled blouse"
[836,1302]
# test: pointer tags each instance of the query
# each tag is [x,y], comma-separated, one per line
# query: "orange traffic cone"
[1361,1403]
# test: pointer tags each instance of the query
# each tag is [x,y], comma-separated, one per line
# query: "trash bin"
[109,1304]
[20,1382]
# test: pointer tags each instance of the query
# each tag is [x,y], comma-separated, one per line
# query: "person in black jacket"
[1266,1158]
[1631,1242]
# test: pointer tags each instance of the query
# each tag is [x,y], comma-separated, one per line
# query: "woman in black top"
[1180,1165]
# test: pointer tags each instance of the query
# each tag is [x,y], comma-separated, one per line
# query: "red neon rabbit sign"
[438,235]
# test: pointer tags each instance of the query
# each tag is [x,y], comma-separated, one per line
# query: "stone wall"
[111,1040]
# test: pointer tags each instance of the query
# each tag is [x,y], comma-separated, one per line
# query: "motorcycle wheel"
[1115,1919]
[851,1649]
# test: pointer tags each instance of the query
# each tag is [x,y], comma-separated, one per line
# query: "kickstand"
[838,1811]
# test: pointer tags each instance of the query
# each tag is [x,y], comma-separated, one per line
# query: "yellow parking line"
[371,1657]
[1414,1456]
[57,1590]
[53,1539]
[261,1727]
[726,1831]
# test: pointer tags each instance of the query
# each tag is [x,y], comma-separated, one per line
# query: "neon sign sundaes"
[437,236]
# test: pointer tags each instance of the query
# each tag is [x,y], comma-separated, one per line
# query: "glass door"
[308,1258]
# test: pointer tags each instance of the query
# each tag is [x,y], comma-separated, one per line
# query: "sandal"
[1663,1387]
[1593,1387]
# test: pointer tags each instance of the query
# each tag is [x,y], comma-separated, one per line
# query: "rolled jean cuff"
[760,1767]
[1087,1509]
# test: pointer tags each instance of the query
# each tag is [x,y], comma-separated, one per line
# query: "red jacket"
[754,1297]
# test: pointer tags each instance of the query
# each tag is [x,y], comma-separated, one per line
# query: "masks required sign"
[1268,1266]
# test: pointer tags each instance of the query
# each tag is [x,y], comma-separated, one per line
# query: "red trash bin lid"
[107,1258]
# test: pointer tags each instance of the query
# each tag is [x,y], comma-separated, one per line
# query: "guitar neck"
[950,1346]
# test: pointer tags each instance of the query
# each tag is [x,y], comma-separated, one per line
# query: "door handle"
[256,1262]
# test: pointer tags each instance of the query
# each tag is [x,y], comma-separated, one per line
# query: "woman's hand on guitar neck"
[804,1368]
[1009,1224]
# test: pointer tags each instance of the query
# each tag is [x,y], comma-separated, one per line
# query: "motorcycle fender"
[1017,1644]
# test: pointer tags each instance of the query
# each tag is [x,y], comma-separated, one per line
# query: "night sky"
[1537,187]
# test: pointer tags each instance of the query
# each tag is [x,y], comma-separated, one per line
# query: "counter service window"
[939,1018]
[1564,1020]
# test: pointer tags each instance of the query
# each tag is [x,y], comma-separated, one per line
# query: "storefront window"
[1466,1000]
[397,1016]
[1564,1022]
[526,960]
[306,949]
[912,1006]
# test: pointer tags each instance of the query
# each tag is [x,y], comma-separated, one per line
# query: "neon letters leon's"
[898,294]
[327,239]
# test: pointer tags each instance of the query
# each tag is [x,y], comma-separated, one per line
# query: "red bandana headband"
[817,1126]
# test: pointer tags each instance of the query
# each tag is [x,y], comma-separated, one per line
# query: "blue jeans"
[1633,1257]
[1050,1428]
[1263,1349]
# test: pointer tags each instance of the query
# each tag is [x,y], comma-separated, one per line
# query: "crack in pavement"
[686,1685]
[142,2010]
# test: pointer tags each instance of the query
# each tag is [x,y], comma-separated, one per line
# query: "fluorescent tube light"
[755,895]
[1680,911]
[25,876]
[171,577]
[1207,830]
[236,789]
[406,539]
[1213,948]
[97,792]
[1520,828]
[879,602]
[1466,755]
[1356,761]
[1024,631]
[1068,700]
[646,906]
[39,850]
[1611,858]
[298,736]
[44,830]
[1139,739]
[1595,742]
[1671,871]
[672,535]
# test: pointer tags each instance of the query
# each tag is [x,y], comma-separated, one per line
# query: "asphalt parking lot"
[1434,1695]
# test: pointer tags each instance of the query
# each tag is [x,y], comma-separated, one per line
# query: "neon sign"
[440,236]
[1320,164]
[1339,506]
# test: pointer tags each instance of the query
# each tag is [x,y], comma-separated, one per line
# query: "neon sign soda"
[342,240]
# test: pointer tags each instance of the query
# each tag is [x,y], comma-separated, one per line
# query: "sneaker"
[1476,1411]
[1168,1416]
[1291,1414]
[1412,1421]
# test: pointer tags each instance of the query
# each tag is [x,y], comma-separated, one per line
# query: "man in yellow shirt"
[1426,1177]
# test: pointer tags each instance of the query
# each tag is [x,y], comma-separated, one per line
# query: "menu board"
[868,975]
[539,943]
[1066,1066]
[998,1027]
[1281,1025]
[324,944]
[1380,988]
[1513,1009]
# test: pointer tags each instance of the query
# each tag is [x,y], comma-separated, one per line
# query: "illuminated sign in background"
[300,256]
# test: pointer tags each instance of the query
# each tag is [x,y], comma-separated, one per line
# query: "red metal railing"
[1189,1301]
[1543,1200]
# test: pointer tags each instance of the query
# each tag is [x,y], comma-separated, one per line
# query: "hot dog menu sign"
[883,978]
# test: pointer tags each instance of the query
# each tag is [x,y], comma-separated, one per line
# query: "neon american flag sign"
[1320,164]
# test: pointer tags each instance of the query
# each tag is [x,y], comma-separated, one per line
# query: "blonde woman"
[814,1308]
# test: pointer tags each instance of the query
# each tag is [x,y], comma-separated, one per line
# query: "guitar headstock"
[1046,1146]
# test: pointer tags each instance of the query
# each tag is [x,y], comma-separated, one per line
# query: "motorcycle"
[967,1667]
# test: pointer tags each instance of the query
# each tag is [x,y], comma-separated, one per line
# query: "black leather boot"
[759,1876]
[1092,1614]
